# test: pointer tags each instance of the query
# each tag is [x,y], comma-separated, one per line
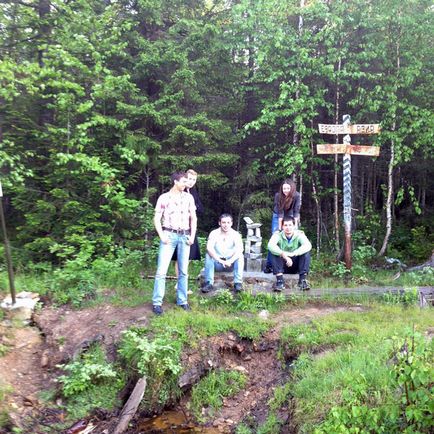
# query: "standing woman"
[287,203]
[190,188]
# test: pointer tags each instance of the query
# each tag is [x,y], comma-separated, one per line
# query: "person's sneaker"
[279,286]
[208,287]
[189,292]
[268,269]
[303,285]
[158,310]
[185,306]
[238,287]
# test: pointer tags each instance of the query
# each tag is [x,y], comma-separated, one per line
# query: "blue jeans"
[165,253]
[211,265]
[274,228]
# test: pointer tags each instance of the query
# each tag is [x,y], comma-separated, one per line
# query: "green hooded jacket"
[298,245]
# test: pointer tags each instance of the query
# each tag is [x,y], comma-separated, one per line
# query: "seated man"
[224,253]
[290,254]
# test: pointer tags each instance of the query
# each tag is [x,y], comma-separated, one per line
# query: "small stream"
[172,422]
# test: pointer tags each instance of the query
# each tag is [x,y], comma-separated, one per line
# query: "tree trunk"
[389,201]
[336,168]
[389,196]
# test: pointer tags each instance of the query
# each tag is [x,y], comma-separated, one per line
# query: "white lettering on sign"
[331,129]
[364,129]
[349,129]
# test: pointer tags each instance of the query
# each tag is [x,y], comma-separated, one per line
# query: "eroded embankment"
[65,332]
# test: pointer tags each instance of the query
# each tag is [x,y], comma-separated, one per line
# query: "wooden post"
[348,149]
[7,249]
[347,195]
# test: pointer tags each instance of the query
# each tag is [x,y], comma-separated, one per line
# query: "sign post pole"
[347,149]
[347,195]
[7,249]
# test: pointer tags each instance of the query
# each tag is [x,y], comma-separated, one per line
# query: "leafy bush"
[363,408]
[211,390]
[404,296]
[122,269]
[74,282]
[421,244]
[421,277]
[91,369]
[158,360]
[413,374]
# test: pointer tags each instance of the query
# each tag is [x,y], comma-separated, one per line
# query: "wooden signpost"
[347,149]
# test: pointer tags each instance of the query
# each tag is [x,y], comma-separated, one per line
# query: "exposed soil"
[30,364]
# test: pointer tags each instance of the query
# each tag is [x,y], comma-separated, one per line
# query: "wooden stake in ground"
[348,149]
[131,406]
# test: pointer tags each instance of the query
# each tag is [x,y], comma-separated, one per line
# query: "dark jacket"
[292,211]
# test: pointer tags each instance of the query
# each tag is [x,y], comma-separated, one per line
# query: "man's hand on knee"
[285,256]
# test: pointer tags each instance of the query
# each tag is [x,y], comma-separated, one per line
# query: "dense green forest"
[100,100]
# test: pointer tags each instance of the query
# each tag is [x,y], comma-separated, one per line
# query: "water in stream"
[172,422]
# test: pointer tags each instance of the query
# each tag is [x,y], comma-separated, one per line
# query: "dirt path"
[33,353]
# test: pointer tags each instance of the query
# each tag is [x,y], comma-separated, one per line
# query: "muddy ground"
[29,366]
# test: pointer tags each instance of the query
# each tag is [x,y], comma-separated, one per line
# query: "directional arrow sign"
[349,129]
[372,151]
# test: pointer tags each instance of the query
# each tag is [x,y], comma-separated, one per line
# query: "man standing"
[290,254]
[175,221]
[224,253]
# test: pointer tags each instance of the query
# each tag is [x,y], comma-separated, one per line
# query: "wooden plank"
[131,406]
[349,129]
[373,151]
[331,149]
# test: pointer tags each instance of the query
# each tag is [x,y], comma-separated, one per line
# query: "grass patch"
[4,414]
[207,395]
[245,301]
[358,371]
[191,327]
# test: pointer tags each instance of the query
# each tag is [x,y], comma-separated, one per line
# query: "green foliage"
[358,412]
[354,387]
[207,395]
[405,297]
[279,402]
[421,245]
[363,409]
[245,301]
[421,277]
[4,411]
[413,374]
[101,101]
[191,328]
[83,374]
[91,382]
[243,429]
[72,283]
[314,337]
[158,360]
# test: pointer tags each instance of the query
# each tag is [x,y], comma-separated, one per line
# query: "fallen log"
[131,406]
